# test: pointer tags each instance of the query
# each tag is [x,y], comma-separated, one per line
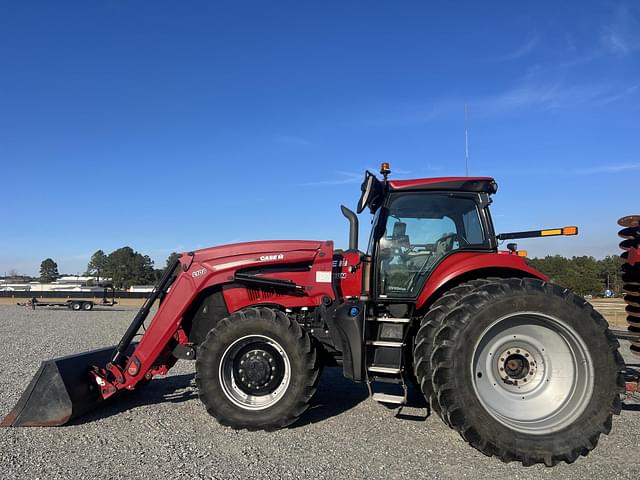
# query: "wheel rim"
[255,372]
[532,372]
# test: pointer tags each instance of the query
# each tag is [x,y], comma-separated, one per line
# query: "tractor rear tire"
[527,371]
[257,369]
[429,325]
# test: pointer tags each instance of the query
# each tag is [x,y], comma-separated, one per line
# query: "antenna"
[466,142]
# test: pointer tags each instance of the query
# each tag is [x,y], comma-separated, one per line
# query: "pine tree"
[48,271]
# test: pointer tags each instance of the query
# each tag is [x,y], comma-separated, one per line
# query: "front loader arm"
[162,330]
[180,285]
[176,290]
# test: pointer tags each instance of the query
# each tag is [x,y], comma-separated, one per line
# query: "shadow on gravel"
[173,389]
[334,396]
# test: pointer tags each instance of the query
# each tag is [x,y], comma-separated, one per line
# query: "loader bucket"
[60,391]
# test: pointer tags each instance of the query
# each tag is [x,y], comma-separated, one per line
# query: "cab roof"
[463,184]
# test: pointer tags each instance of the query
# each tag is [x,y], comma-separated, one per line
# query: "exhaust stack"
[353,227]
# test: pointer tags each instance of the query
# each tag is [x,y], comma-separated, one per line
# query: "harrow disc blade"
[630,221]
[633,278]
[629,233]
[632,311]
[629,243]
[60,391]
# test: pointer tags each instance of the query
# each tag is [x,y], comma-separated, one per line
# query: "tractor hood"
[264,250]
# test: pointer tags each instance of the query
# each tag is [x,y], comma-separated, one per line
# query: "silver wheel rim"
[532,373]
[235,389]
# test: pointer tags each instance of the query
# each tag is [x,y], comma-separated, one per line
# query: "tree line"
[584,275]
[125,267]
[121,268]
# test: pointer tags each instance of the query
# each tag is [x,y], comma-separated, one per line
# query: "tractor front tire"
[257,369]
[527,371]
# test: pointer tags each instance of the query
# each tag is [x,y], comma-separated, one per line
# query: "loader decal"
[266,258]
[323,277]
[199,273]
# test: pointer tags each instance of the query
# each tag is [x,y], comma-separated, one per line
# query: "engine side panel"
[308,268]
[347,274]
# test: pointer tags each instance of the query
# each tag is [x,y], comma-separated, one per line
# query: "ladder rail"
[384,373]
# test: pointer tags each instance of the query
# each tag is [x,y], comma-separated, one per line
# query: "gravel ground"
[164,430]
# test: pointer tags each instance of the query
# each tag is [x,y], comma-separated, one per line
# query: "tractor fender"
[462,266]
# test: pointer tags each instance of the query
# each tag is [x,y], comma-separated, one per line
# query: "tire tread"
[296,333]
[445,344]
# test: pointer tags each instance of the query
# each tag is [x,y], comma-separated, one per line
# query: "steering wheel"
[447,241]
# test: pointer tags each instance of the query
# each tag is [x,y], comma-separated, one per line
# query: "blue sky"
[170,125]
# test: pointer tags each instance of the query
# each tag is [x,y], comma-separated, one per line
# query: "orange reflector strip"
[523,253]
[570,231]
[552,231]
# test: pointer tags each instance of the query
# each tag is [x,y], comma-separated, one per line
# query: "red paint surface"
[461,263]
[418,182]
[347,274]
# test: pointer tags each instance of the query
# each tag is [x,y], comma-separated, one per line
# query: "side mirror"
[366,188]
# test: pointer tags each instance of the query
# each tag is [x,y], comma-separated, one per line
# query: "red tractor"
[523,369]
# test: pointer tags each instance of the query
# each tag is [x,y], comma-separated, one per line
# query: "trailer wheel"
[429,325]
[76,306]
[87,306]
[527,371]
[256,369]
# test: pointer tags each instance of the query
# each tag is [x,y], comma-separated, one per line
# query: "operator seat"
[442,246]
[399,237]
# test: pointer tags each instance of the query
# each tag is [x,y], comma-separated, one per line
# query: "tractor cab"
[417,224]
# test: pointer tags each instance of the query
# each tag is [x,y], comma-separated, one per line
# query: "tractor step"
[387,370]
[383,343]
[389,319]
[393,380]
[386,339]
[387,398]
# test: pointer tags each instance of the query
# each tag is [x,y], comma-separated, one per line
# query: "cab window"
[421,229]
